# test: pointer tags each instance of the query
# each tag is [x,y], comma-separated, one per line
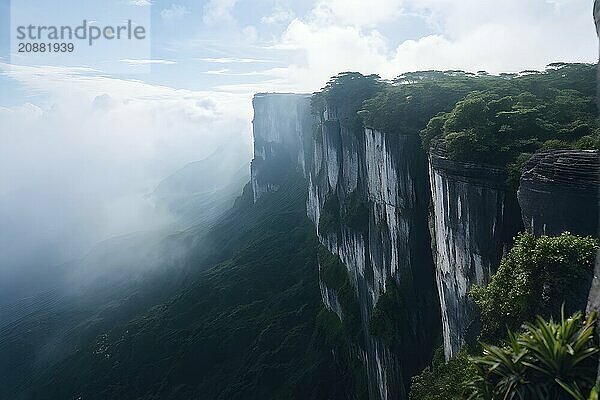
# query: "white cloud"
[356,12]
[231,60]
[174,12]
[326,50]
[511,35]
[278,16]
[501,36]
[146,62]
[273,72]
[219,12]
[250,34]
[222,71]
[140,3]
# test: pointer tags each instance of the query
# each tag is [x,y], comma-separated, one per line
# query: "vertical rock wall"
[384,177]
[475,218]
[280,121]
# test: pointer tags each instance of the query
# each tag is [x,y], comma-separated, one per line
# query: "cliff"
[475,217]
[402,224]
[368,196]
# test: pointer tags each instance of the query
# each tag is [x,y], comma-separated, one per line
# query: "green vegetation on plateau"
[504,123]
[492,119]
[407,104]
[344,94]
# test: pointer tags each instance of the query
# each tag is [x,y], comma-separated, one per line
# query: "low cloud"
[278,16]
[76,168]
[231,60]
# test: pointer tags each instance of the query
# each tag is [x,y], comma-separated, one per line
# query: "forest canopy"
[493,119]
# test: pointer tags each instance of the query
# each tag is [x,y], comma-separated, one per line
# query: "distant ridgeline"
[418,187]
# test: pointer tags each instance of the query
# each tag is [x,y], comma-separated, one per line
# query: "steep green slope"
[243,329]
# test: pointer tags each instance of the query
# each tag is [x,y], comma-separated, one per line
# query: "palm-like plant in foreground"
[549,360]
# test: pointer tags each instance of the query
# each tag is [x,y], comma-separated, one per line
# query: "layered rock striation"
[559,192]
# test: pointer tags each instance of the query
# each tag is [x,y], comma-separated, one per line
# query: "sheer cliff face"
[280,121]
[475,218]
[377,185]
[559,192]
[395,219]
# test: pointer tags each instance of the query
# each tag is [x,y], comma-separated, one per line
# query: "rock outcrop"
[559,192]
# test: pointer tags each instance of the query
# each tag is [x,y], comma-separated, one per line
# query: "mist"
[80,159]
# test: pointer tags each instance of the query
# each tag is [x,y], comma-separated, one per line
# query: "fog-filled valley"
[61,306]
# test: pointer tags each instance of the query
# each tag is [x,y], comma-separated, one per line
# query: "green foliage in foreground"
[535,278]
[548,360]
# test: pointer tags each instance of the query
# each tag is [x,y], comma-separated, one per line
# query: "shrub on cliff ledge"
[329,219]
[356,212]
[444,380]
[334,275]
[388,320]
[535,278]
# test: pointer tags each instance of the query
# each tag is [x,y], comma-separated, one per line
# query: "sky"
[81,146]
